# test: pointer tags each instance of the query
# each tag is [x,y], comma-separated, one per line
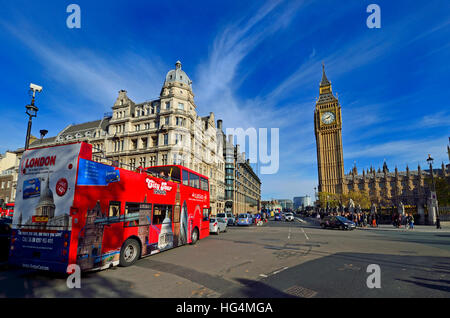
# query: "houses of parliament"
[384,187]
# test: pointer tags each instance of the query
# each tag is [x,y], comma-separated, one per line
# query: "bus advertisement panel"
[45,191]
[96,215]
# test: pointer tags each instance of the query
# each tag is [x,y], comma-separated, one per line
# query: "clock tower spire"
[328,131]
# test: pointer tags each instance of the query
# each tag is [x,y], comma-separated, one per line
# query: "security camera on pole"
[31,111]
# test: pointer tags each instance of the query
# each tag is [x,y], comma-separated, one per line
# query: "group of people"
[361,219]
[406,220]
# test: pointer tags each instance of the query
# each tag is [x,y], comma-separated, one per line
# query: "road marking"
[305,234]
[289,234]
[263,275]
[280,270]
[300,220]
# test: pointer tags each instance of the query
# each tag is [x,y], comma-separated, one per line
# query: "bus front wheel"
[194,236]
[129,253]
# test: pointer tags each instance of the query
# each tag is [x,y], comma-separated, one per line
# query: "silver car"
[289,217]
[217,226]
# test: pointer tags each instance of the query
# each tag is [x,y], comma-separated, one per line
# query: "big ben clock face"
[328,118]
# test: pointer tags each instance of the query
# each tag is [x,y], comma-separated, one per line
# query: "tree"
[442,189]
[331,198]
[359,197]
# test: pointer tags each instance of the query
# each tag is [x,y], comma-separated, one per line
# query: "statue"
[351,206]
[401,208]
[358,208]
[373,209]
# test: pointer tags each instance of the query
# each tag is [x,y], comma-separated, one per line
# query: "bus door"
[204,223]
[162,227]
[113,232]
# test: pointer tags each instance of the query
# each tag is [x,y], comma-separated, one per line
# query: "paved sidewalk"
[417,228]
[389,227]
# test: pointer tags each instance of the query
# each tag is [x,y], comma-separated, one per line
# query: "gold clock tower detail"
[328,130]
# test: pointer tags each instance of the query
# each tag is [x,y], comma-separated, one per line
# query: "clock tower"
[328,131]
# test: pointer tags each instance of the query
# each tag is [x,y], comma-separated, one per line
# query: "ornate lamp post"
[31,111]
[430,162]
[433,211]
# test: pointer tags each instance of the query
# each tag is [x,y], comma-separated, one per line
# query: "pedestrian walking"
[438,223]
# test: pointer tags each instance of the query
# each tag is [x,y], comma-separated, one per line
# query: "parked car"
[223,217]
[277,216]
[231,219]
[5,237]
[337,222]
[217,226]
[244,219]
[289,217]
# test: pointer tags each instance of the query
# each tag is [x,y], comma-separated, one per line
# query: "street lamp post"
[430,162]
[31,111]
[433,203]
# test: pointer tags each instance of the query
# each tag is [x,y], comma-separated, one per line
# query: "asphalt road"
[279,259]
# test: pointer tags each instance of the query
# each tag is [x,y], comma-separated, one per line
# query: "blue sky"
[252,63]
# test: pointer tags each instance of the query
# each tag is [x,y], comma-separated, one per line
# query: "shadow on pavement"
[19,283]
[345,275]
[443,288]
[255,289]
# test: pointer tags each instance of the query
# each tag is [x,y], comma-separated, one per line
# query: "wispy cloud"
[440,119]
[93,75]
[217,76]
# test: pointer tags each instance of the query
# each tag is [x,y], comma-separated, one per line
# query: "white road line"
[305,234]
[289,234]
[300,220]
[280,270]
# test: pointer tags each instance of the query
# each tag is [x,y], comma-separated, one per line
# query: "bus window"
[114,209]
[205,214]
[185,178]
[204,184]
[194,180]
[160,212]
[131,207]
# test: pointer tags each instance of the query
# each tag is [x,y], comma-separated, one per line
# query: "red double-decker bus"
[70,209]
[7,210]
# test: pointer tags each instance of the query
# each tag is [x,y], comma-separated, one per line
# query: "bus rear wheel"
[194,236]
[129,253]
